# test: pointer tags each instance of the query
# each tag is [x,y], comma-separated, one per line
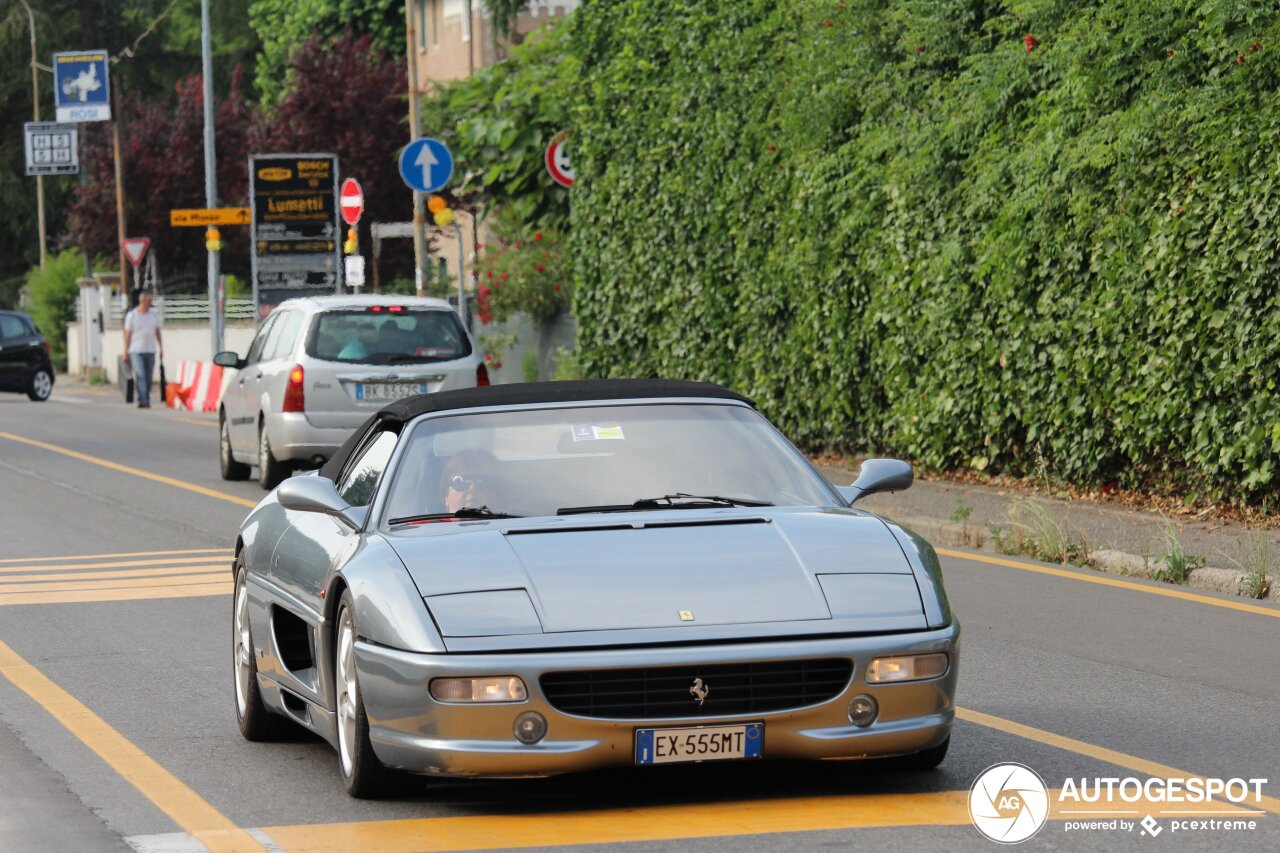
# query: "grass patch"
[1255,563]
[1176,564]
[1032,531]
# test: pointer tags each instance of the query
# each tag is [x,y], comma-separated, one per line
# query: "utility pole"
[210,171]
[35,116]
[415,121]
[119,171]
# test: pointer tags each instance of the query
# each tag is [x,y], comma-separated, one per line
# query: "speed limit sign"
[558,164]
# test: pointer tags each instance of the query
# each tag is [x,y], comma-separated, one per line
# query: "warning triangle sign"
[135,248]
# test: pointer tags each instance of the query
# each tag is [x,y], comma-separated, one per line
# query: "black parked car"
[25,365]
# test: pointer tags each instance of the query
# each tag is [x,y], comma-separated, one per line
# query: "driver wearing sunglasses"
[468,480]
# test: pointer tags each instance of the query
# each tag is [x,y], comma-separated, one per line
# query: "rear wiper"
[680,500]
[464,512]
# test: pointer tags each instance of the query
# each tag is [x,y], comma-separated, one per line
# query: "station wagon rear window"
[387,334]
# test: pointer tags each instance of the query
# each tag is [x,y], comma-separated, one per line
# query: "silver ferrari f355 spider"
[527,580]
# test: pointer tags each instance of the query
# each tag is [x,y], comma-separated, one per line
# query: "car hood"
[690,574]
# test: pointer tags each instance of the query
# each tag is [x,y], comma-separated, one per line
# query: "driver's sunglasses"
[462,482]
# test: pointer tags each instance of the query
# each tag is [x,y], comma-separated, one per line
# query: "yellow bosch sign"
[275,173]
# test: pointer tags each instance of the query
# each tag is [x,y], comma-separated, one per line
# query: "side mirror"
[228,359]
[318,494]
[878,475]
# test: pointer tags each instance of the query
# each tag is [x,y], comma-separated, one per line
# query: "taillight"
[482,376]
[294,399]
[44,342]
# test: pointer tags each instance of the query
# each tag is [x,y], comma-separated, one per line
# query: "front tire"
[231,469]
[270,470]
[364,776]
[40,385]
[255,721]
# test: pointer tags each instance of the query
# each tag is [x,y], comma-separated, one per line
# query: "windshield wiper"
[464,512]
[680,500]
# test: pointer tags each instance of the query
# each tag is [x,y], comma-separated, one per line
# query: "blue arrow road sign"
[426,164]
[81,87]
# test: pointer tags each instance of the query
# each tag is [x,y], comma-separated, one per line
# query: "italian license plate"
[699,743]
[388,390]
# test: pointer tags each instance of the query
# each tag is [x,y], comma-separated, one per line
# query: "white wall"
[185,342]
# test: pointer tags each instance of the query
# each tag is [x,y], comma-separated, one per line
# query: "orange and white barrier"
[198,387]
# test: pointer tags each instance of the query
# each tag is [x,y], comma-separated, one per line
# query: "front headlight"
[906,668]
[493,688]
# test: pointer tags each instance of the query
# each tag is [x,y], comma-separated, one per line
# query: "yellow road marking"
[137,593]
[12,589]
[60,567]
[663,823]
[227,551]
[1106,581]
[1079,747]
[125,469]
[184,806]
[57,578]
[611,826]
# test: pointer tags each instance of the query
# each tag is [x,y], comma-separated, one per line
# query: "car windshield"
[387,334]
[543,462]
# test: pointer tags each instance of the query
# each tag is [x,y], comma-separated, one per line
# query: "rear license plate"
[388,391]
[699,743]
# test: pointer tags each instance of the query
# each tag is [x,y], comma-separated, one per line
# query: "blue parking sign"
[426,164]
[81,86]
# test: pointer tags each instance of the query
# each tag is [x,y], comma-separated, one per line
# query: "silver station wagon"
[320,366]
[534,579]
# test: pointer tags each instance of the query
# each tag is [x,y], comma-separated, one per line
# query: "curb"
[1209,578]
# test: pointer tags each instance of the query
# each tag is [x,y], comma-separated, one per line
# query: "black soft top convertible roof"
[524,393]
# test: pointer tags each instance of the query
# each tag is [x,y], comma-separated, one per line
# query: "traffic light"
[213,240]
[353,242]
[440,210]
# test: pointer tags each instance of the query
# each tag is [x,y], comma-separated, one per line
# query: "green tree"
[284,25]
[498,123]
[52,293]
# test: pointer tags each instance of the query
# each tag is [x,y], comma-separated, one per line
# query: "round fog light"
[530,727]
[863,710]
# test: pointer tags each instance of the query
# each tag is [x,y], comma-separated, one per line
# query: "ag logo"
[1008,803]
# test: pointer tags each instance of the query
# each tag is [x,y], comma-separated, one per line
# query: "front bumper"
[411,731]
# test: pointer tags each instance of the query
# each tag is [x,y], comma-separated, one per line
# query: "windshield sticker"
[597,433]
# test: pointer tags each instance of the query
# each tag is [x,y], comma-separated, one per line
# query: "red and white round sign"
[558,164]
[351,201]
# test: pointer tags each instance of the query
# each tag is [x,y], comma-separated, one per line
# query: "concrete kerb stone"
[1211,578]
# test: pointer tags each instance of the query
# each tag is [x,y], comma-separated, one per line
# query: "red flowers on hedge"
[1031,42]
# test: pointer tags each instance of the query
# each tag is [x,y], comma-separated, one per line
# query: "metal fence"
[180,309]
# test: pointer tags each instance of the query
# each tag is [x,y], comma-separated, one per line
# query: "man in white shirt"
[142,342]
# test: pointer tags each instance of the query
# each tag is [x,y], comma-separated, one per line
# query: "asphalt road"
[117,730]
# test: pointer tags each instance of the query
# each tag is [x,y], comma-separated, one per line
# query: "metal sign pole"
[210,170]
[420,258]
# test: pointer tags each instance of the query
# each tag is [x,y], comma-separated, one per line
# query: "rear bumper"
[411,731]
[296,439]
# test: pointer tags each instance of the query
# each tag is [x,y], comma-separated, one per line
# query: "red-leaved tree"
[348,99]
[162,151]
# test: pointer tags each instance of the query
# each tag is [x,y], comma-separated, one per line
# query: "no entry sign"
[352,201]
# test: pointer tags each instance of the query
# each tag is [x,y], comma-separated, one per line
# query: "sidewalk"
[1119,540]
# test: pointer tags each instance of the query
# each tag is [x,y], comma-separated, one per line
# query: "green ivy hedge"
[900,229]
